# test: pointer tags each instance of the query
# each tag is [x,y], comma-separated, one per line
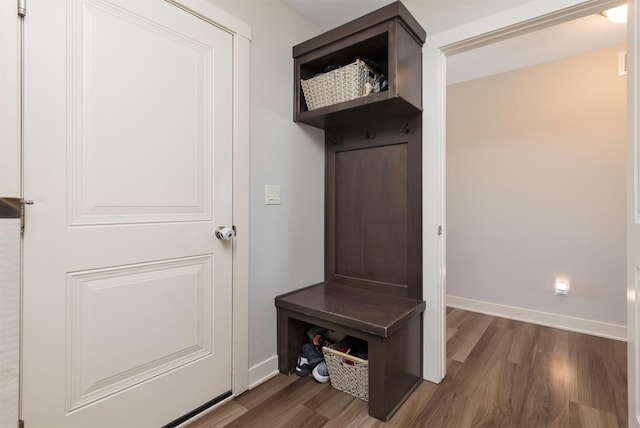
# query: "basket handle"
[343,355]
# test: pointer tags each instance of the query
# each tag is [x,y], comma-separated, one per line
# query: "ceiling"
[572,38]
[328,14]
[576,37]
[434,15]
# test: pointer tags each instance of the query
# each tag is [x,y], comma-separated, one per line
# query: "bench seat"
[375,313]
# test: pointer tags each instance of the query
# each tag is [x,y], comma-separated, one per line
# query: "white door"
[128,158]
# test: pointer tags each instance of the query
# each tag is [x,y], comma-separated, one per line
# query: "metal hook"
[369,135]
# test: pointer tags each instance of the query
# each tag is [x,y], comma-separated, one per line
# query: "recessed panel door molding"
[133,171]
[116,340]
[128,158]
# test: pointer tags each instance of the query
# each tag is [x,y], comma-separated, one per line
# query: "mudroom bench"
[372,287]
[391,325]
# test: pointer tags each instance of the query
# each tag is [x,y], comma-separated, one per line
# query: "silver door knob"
[225,233]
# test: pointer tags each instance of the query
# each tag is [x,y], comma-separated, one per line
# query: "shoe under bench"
[391,325]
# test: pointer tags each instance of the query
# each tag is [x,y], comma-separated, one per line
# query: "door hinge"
[439,230]
[22,7]
[20,423]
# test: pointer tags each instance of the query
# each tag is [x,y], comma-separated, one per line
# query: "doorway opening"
[521,20]
[535,173]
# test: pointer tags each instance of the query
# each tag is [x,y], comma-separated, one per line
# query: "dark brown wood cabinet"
[390,37]
[373,206]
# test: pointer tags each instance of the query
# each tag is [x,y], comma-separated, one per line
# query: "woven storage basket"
[342,84]
[348,373]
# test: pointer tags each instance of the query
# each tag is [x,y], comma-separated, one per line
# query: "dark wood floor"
[500,373]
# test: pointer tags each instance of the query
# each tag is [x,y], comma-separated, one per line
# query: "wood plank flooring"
[500,373]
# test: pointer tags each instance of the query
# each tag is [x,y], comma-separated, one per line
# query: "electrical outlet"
[562,288]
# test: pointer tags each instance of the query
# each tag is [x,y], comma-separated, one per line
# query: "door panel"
[128,156]
[109,354]
[118,54]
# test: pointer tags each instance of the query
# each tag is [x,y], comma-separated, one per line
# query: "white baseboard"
[580,325]
[263,371]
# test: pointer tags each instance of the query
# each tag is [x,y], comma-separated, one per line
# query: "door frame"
[11,155]
[510,23]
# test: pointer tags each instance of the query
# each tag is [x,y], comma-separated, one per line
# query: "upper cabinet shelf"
[389,37]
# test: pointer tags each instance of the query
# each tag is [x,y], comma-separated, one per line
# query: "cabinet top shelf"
[389,12]
[390,40]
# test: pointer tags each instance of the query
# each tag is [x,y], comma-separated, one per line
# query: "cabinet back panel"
[373,203]
[371,219]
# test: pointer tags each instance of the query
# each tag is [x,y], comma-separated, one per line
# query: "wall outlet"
[271,194]
[562,288]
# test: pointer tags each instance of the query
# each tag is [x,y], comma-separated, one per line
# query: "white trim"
[633,219]
[241,33]
[579,325]
[223,19]
[240,381]
[263,371]
[518,20]
[433,173]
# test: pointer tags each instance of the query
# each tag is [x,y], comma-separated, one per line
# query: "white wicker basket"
[340,85]
[347,373]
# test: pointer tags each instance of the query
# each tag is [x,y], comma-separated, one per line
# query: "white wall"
[286,241]
[536,188]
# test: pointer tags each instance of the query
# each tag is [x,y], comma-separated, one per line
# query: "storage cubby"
[391,38]
[375,49]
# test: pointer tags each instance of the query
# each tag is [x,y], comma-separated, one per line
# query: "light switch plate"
[271,194]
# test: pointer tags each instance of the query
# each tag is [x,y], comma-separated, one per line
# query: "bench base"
[395,361]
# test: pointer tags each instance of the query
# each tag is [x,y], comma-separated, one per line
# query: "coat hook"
[369,135]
